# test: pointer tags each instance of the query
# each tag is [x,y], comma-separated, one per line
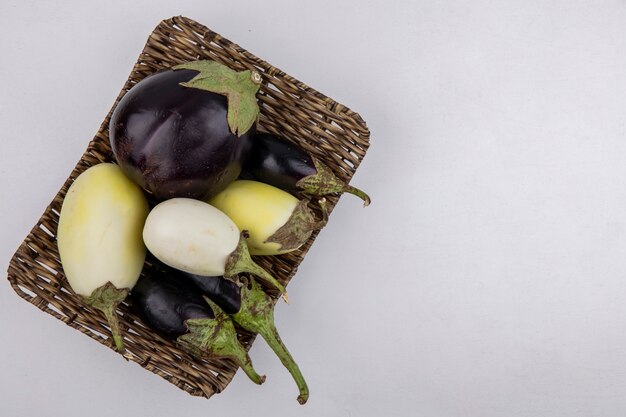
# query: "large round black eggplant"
[278,162]
[175,141]
[251,308]
[173,307]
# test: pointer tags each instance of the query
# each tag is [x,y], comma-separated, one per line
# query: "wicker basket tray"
[326,129]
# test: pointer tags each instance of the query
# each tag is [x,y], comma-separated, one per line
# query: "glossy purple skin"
[174,141]
[164,300]
[223,292]
[278,162]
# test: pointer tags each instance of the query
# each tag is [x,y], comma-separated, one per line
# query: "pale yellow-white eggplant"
[277,221]
[99,238]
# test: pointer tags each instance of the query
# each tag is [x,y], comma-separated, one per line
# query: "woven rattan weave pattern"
[324,128]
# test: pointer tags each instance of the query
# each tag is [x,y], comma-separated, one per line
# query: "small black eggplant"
[173,308]
[278,162]
[223,292]
[251,308]
[185,132]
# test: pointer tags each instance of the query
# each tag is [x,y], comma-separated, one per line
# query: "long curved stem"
[271,336]
[359,193]
[257,315]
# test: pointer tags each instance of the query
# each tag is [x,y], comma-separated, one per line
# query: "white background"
[488,276]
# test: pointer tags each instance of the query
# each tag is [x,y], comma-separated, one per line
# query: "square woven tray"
[324,128]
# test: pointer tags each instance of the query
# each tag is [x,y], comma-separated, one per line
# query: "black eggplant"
[173,308]
[280,163]
[223,292]
[251,308]
[185,132]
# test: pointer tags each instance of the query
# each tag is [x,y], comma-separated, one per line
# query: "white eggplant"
[99,238]
[195,237]
[276,221]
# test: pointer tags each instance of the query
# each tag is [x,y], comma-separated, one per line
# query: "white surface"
[486,279]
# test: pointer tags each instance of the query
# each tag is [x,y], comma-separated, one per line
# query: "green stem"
[111,317]
[106,299]
[239,87]
[217,338]
[359,193]
[298,228]
[246,365]
[257,315]
[324,181]
[272,338]
[240,261]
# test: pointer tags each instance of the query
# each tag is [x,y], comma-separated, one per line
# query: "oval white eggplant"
[99,238]
[191,236]
[195,237]
[276,221]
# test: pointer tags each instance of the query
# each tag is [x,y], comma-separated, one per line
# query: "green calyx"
[240,261]
[325,182]
[217,338]
[240,89]
[256,314]
[106,299]
[298,228]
